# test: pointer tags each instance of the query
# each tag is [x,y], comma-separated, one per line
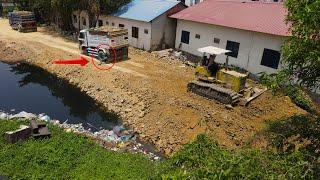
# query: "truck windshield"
[81,35]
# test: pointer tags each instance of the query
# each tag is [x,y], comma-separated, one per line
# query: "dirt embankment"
[150,95]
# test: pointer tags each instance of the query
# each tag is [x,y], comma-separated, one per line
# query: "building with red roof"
[254,31]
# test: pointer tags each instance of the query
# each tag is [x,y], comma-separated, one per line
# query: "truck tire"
[84,51]
[19,28]
[103,55]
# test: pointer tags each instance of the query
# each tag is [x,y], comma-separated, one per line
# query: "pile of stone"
[172,55]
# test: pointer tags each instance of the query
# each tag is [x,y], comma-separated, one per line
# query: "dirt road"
[148,93]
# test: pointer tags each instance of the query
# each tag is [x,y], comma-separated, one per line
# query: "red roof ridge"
[250,2]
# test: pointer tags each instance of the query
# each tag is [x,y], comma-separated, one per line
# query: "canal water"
[31,89]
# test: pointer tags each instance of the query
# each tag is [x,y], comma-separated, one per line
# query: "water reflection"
[35,90]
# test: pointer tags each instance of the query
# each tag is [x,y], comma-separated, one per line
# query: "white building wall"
[192,2]
[251,48]
[163,32]
[143,41]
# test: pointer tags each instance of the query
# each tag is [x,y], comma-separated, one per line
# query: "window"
[100,23]
[84,21]
[270,58]
[121,25]
[107,23]
[75,19]
[146,31]
[185,35]
[112,24]
[135,32]
[197,36]
[81,35]
[216,40]
[233,47]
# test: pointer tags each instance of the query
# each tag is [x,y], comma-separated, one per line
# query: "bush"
[6,11]
[296,133]
[300,98]
[205,159]
[279,83]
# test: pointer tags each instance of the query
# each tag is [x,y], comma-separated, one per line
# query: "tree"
[301,51]
[98,7]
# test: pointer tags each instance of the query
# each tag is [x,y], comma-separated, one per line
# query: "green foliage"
[275,82]
[6,11]
[301,54]
[298,133]
[300,98]
[305,127]
[204,159]
[280,83]
[48,10]
[67,156]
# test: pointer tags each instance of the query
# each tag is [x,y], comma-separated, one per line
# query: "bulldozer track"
[214,92]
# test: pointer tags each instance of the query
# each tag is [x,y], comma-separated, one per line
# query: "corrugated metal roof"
[254,16]
[145,10]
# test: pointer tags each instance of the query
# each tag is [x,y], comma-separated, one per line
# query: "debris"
[3,115]
[24,115]
[22,134]
[39,130]
[44,117]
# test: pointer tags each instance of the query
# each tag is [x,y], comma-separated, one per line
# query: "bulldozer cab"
[208,67]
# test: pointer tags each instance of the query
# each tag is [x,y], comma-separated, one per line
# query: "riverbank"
[149,94]
[118,139]
[67,156]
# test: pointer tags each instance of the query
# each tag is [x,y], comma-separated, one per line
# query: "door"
[135,37]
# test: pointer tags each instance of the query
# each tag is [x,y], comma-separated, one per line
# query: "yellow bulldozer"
[222,84]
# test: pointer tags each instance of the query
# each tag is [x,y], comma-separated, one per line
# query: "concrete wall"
[163,32]
[251,48]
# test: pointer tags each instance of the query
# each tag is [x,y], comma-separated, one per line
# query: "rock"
[142,114]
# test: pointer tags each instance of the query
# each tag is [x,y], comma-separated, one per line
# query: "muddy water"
[31,89]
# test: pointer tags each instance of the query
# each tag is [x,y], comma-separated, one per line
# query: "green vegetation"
[279,84]
[66,156]
[70,156]
[205,159]
[296,133]
[49,10]
[300,98]
[301,53]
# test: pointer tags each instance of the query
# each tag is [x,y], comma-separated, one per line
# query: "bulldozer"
[217,82]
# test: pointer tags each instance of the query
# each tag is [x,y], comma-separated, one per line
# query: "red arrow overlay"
[82,61]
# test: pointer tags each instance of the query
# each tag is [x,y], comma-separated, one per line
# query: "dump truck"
[221,83]
[23,21]
[104,43]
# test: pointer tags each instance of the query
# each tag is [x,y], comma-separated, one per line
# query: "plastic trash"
[23,114]
[127,137]
[118,129]
[44,117]
[3,115]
